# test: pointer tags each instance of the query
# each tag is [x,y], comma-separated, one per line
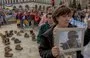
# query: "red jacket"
[37,18]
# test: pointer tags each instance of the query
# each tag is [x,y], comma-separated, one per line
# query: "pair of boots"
[7,51]
[18,34]
[15,40]
[9,34]
[18,47]
[26,35]
[21,31]
[33,35]
[6,41]
[15,32]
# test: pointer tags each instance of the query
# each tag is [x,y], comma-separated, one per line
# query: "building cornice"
[31,2]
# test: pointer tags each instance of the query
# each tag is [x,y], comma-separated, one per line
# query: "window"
[16,1]
[89,1]
[36,7]
[34,0]
[5,1]
[23,1]
[14,7]
[45,1]
[43,7]
[20,0]
[13,1]
[9,1]
[40,7]
[38,0]
[20,6]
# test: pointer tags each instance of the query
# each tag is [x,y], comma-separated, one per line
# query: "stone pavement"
[30,48]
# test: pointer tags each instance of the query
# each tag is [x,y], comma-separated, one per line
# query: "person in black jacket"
[87,34]
[61,17]
[45,26]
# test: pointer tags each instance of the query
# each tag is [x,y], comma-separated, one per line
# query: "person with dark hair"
[21,17]
[32,15]
[26,23]
[4,18]
[61,17]
[44,18]
[18,19]
[1,20]
[45,26]
[75,20]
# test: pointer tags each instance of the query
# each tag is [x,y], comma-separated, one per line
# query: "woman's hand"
[55,51]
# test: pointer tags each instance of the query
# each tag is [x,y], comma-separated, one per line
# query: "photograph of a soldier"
[72,41]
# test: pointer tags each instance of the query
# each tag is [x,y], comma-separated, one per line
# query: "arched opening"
[27,7]
[43,7]
[14,7]
[40,7]
[36,7]
[20,7]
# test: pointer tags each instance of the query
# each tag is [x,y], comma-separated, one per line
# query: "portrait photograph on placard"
[70,39]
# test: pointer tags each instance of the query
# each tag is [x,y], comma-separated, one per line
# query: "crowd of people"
[26,18]
[34,17]
[30,18]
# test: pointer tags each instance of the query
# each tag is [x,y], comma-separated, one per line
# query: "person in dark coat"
[45,26]
[21,17]
[18,19]
[87,34]
[61,17]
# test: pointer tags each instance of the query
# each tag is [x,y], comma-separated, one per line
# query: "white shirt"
[86,52]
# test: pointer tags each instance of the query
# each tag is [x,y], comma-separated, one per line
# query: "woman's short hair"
[62,10]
